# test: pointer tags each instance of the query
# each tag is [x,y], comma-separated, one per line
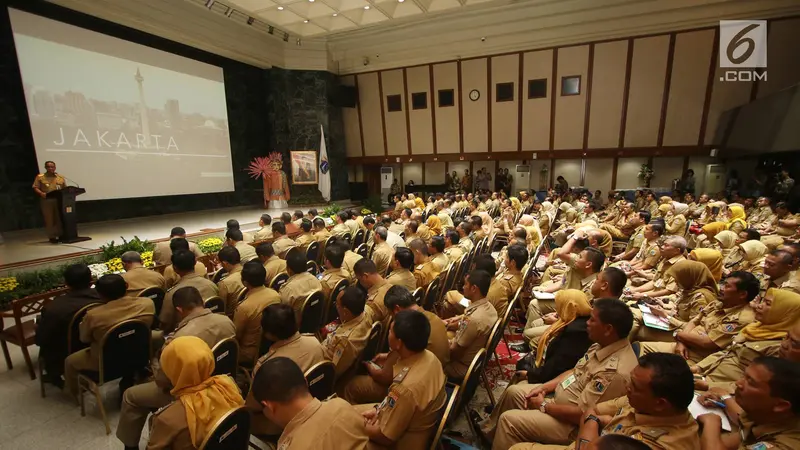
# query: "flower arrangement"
[147,259]
[114,265]
[210,245]
[331,210]
[8,284]
[111,250]
[98,270]
[646,174]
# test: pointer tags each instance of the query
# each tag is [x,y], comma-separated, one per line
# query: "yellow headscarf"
[188,363]
[694,277]
[570,304]
[420,204]
[737,215]
[664,208]
[782,316]
[713,228]
[515,203]
[434,224]
[711,258]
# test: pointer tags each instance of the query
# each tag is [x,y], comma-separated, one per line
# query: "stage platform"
[27,249]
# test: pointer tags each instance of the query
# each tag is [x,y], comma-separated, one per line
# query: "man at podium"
[43,184]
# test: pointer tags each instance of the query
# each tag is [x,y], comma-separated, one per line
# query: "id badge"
[567,382]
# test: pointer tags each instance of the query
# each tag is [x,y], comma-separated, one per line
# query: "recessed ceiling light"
[335,14]
[366,7]
[401,1]
[305,21]
[280,8]
[312,1]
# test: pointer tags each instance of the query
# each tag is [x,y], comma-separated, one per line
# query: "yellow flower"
[114,265]
[147,259]
[8,284]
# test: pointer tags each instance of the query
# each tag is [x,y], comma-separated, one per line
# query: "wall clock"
[474,95]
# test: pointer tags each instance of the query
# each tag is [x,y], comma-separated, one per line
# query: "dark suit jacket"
[51,332]
[563,353]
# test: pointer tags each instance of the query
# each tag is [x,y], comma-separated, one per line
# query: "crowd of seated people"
[631,310]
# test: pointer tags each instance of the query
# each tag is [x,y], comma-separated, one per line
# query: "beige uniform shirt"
[103,317]
[453,253]
[382,257]
[322,235]
[171,278]
[650,253]
[727,365]
[274,266]
[297,288]
[636,240]
[344,344]
[720,324]
[425,273]
[141,278]
[773,436]
[340,230]
[229,289]
[376,310]
[473,332]
[162,254]
[207,289]
[282,245]
[169,428]
[662,280]
[330,278]
[440,261]
[329,425]
[786,282]
[247,319]
[402,277]
[411,410]
[438,342]
[247,252]
[502,290]
[263,234]
[48,183]
[350,260]
[466,244]
[352,226]
[304,240]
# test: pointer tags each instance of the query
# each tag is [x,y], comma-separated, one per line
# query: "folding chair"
[226,357]
[312,267]
[278,281]
[448,413]
[431,294]
[22,333]
[331,313]
[321,379]
[215,304]
[362,250]
[313,251]
[156,294]
[417,294]
[311,313]
[359,238]
[231,432]
[497,333]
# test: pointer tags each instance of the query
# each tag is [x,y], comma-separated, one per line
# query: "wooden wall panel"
[475,134]
[688,87]
[783,57]
[352,127]
[536,112]
[448,135]
[646,91]
[608,87]
[419,80]
[724,96]
[396,131]
[505,115]
[627,172]
[371,118]
[571,110]
[666,170]
[598,174]
[434,172]
[412,172]
[570,169]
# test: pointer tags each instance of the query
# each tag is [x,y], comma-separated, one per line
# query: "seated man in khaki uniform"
[635,242]
[231,285]
[306,238]
[350,258]
[407,417]
[280,328]
[137,276]
[464,229]
[436,252]
[778,267]
[367,275]
[648,255]
[183,261]
[662,285]
[451,248]
[402,264]
[247,317]
[162,253]
[425,270]
[272,263]
[265,232]
[653,412]
[471,329]
[300,284]
[382,253]
[282,243]
[140,400]
[233,224]
[717,324]
[344,345]
[523,414]
[99,320]
[764,408]
[341,229]
[170,275]
[321,233]
[281,389]
[333,274]
[233,238]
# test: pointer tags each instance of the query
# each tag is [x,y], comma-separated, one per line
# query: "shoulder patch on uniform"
[419,266]
[401,376]
[653,433]
[730,327]
[599,386]
[759,446]
[508,277]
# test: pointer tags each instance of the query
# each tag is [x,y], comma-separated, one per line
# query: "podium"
[68,214]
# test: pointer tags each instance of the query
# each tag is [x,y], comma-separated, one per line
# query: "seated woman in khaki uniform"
[749,256]
[775,314]
[201,399]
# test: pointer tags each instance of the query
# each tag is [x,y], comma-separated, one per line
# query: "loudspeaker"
[345,97]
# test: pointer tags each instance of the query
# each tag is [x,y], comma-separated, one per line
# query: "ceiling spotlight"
[209,3]
[250,21]
[311,1]
[335,14]
[400,1]
[305,21]
[366,7]
[280,8]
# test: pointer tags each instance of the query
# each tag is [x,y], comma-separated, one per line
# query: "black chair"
[125,350]
[219,275]
[359,238]
[450,278]
[464,391]
[278,281]
[431,294]
[370,250]
[402,235]
[448,413]
[312,252]
[328,242]
[331,313]
[241,295]
[74,342]
[373,343]
[312,312]
[215,304]
[418,295]
[312,267]
[362,250]
[226,357]
[349,239]
[637,348]
[231,432]
[497,334]
[156,294]
[321,379]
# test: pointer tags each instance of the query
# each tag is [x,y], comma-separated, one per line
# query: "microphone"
[76,184]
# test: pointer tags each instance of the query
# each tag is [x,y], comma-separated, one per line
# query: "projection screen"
[121,119]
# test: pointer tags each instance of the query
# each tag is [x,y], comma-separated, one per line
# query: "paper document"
[698,409]
[653,321]
[544,295]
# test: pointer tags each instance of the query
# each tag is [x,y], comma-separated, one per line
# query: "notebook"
[697,409]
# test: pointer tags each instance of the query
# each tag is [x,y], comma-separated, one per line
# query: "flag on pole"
[324,184]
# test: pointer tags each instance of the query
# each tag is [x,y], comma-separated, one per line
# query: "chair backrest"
[637,348]
[362,250]
[278,281]
[312,267]
[331,313]
[431,294]
[402,235]
[217,276]
[125,350]
[156,294]
[373,342]
[226,357]
[370,250]
[463,269]
[312,252]
[311,312]
[450,279]
[231,432]
[359,238]
[349,238]
[216,304]
[471,380]
[501,324]
[448,412]
[74,342]
[321,379]
[241,295]
[328,242]
[418,294]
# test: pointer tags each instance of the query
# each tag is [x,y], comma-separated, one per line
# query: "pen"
[717,404]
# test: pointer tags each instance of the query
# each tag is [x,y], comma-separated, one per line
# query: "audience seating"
[359,238]
[431,294]
[362,250]
[448,413]
[312,312]
[231,432]
[331,313]
[226,357]
[217,276]
[374,341]
[321,379]
[312,267]
[125,350]
[156,294]
[312,252]
[216,304]
[240,296]
[464,391]
[278,281]
[417,294]
[498,333]
[22,333]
